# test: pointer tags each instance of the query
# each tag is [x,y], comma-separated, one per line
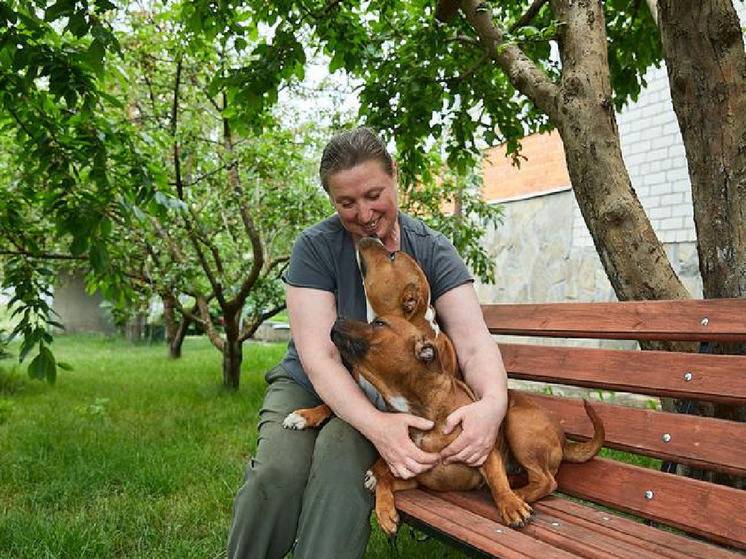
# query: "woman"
[304,489]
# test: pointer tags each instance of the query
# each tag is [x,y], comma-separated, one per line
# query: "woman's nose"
[365,214]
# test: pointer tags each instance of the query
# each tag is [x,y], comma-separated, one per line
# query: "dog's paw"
[370,481]
[514,511]
[294,421]
[388,519]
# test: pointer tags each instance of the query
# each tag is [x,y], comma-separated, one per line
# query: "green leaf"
[58,10]
[79,244]
[105,227]
[64,366]
[99,257]
[43,366]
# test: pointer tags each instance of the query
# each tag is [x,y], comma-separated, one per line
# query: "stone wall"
[78,310]
[539,261]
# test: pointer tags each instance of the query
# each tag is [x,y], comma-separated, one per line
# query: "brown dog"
[402,361]
[394,285]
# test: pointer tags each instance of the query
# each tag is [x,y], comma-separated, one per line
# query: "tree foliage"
[125,148]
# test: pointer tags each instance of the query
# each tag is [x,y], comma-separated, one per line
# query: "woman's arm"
[482,365]
[312,314]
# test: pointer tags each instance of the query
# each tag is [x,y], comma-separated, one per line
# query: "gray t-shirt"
[324,258]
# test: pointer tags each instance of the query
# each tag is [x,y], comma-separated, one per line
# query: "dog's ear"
[424,350]
[410,299]
[446,355]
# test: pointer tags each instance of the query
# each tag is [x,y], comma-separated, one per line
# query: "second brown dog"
[403,363]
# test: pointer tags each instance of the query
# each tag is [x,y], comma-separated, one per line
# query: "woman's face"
[365,199]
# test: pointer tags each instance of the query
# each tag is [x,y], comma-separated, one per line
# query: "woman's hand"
[390,435]
[480,423]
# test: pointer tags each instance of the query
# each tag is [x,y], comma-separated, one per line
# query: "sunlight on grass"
[132,454]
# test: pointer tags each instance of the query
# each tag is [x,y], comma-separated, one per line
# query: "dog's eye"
[378,323]
[392,256]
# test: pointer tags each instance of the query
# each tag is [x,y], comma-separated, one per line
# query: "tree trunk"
[169,316]
[633,257]
[704,52]
[135,328]
[232,353]
[175,331]
[174,345]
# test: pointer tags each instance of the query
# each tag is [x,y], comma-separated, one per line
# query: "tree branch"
[528,15]
[174,124]
[250,328]
[522,72]
[41,255]
[212,334]
[248,221]
[206,175]
[216,285]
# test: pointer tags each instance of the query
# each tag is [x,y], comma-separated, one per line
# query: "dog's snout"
[351,348]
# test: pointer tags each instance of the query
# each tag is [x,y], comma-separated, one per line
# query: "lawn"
[133,455]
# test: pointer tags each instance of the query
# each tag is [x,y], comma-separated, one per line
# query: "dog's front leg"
[513,510]
[386,485]
[307,418]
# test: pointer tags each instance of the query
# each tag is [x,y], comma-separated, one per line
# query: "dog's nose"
[372,240]
[337,332]
[336,327]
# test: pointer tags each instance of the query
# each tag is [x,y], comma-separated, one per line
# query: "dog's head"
[390,352]
[394,282]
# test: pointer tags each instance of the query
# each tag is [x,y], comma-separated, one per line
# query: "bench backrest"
[716,512]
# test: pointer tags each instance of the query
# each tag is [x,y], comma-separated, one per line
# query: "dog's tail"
[582,452]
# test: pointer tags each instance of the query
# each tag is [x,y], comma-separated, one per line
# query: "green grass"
[132,454]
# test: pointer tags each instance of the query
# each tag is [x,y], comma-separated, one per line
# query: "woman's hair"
[350,148]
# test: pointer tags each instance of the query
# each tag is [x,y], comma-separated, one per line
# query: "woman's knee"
[276,480]
[342,453]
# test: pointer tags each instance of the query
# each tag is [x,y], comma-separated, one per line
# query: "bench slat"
[718,378]
[560,533]
[585,531]
[698,441]
[472,529]
[632,320]
[713,511]
[574,533]
[662,542]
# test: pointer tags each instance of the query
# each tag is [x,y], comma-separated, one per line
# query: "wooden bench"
[626,511]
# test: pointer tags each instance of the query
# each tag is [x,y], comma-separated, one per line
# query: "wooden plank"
[713,511]
[693,320]
[699,441]
[561,533]
[663,542]
[717,378]
[621,530]
[472,529]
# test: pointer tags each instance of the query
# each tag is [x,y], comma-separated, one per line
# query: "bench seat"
[560,529]
[627,511]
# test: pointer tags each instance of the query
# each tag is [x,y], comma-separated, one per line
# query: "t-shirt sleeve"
[447,268]
[310,266]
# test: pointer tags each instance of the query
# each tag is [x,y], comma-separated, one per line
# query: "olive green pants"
[303,489]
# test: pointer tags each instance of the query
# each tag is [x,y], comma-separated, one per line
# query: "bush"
[6,408]
[11,381]
[4,341]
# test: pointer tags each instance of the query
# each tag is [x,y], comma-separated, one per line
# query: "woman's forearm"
[338,390]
